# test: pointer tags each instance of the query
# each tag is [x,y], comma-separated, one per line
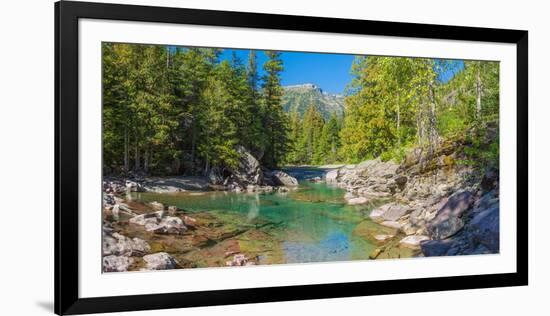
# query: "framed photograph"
[208,157]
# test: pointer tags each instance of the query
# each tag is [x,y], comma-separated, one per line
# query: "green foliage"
[483,151]
[395,102]
[275,120]
[179,110]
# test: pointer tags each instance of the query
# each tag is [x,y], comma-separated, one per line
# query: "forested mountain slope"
[299,97]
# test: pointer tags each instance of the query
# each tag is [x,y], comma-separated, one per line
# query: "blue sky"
[328,71]
[331,72]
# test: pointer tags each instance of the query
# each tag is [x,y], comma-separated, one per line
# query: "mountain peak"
[299,97]
[303,86]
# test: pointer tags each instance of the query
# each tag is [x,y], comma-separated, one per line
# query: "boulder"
[413,241]
[389,212]
[281,178]
[247,170]
[358,201]
[434,248]
[114,263]
[160,261]
[215,176]
[448,219]
[484,229]
[332,176]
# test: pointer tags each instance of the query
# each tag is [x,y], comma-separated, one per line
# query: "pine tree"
[274,118]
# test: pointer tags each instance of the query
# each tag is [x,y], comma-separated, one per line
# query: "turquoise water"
[313,221]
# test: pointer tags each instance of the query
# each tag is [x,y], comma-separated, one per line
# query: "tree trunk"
[432,125]
[126,167]
[398,122]
[478,91]
[206,167]
[136,155]
[193,141]
[146,160]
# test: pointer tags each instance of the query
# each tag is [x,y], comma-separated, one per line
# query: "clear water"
[314,222]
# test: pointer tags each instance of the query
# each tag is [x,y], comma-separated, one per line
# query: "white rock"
[413,241]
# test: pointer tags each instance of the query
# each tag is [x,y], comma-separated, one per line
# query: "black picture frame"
[67,15]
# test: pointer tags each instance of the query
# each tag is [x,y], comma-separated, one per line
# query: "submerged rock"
[158,222]
[160,261]
[167,225]
[239,260]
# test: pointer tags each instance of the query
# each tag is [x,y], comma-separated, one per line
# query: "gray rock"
[281,178]
[114,263]
[448,219]
[248,169]
[332,176]
[484,229]
[160,261]
[389,212]
[215,176]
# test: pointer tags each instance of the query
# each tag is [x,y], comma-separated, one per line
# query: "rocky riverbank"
[140,236]
[430,203]
[247,176]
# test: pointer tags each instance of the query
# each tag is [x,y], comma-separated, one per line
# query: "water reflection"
[254,207]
